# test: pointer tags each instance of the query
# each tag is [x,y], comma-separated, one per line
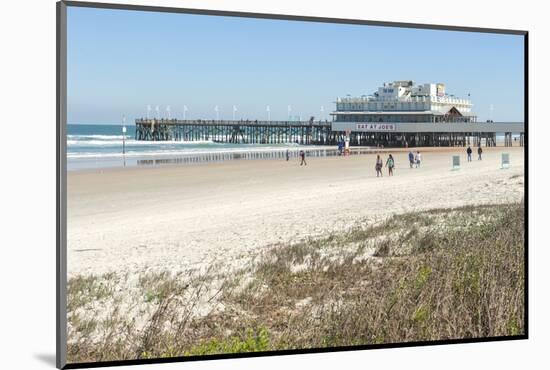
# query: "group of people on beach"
[390,164]
[415,159]
[302,155]
[469,153]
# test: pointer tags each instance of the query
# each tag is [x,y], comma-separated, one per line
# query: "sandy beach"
[181,217]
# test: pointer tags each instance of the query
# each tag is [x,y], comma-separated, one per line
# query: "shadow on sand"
[47,358]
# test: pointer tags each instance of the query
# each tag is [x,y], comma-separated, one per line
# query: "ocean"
[100,146]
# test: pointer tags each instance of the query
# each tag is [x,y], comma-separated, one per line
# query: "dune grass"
[440,274]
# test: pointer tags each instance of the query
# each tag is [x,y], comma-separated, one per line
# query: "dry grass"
[441,274]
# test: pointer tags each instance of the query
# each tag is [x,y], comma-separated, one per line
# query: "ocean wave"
[98,137]
[118,142]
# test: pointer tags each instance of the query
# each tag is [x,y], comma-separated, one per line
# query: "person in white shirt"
[418,159]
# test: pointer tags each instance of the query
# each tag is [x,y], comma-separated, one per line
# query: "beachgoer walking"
[479,151]
[411,159]
[340,147]
[287,155]
[390,163]
[303,157]
[378,166]
[469,152]
[418,159]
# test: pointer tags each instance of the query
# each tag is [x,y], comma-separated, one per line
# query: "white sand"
[175,218]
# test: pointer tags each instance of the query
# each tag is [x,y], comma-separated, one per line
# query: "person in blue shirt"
[411,158]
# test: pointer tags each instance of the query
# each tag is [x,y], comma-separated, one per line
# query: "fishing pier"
[402,134]
[237,132]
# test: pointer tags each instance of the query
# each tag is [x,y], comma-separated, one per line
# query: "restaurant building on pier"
[403,101]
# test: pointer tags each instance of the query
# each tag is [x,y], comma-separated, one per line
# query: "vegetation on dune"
[440,274]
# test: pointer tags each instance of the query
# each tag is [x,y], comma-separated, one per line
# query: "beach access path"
[179,217]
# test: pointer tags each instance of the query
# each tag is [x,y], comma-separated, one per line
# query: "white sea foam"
[99,137]
[118,142]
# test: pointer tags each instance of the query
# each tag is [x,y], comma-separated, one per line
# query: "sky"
[121,61]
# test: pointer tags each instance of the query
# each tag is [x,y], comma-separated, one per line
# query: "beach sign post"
[505,162]
[346,147]
[124,139]
[123,135]
[456,162]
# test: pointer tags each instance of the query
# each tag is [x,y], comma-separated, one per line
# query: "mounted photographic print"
[236,184]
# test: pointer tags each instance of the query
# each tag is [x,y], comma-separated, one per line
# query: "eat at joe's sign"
[376,126]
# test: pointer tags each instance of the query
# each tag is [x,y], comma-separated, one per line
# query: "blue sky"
[120,61]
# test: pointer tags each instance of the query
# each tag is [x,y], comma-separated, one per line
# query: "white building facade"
[403,101]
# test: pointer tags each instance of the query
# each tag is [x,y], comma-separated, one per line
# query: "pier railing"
[163,121]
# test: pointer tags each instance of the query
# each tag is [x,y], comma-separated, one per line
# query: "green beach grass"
[433,275]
